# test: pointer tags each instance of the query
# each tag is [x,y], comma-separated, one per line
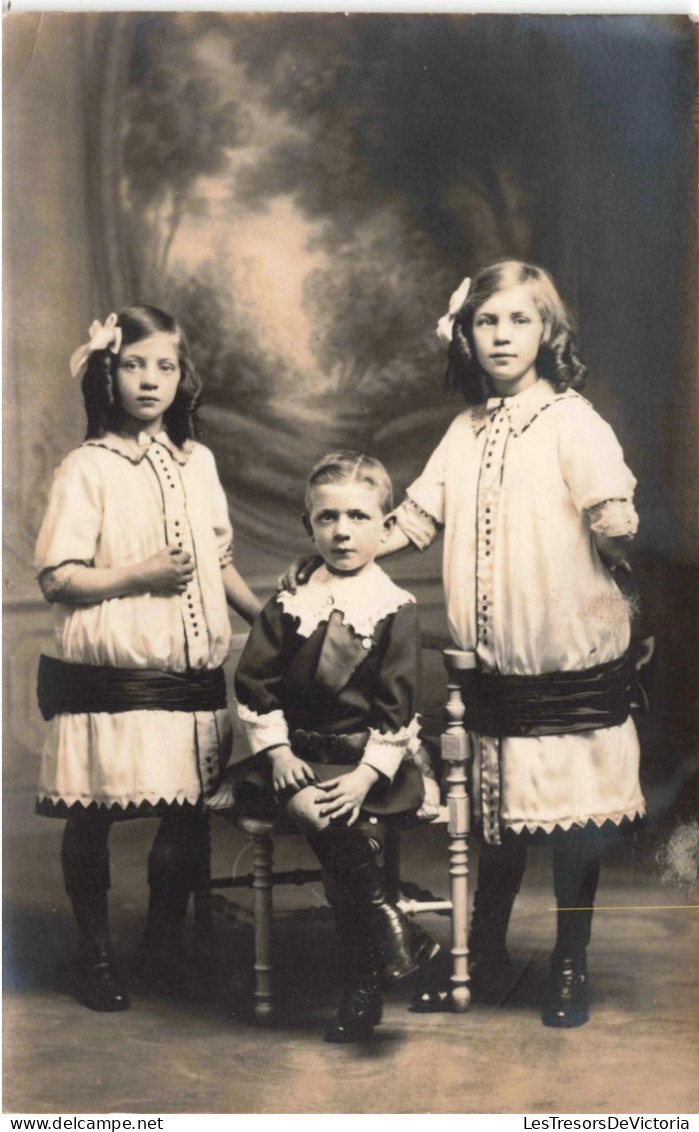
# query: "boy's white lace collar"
[364,600]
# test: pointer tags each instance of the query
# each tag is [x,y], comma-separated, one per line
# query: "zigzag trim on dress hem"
[567,823]
[147,807]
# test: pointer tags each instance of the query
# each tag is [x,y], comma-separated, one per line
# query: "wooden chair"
[413,900]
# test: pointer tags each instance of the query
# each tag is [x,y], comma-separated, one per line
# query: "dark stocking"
[500,872]
[85,861]
[177,865]
[576,868]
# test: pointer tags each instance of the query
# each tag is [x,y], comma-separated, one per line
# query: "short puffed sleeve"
[71,527]
[591,458]
[428,490]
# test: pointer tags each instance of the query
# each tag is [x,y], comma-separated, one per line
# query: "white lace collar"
[364,600]
[134,448]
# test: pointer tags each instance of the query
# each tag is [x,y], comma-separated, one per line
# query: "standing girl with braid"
[135,554]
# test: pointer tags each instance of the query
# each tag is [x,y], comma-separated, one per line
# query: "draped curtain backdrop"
[304,191]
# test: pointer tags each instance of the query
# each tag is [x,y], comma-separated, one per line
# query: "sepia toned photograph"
[350,563]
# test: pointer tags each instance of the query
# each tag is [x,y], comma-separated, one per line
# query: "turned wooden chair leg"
[262,857]
[455,752]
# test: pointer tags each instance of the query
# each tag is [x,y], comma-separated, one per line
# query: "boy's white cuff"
[385,752]
[264,731]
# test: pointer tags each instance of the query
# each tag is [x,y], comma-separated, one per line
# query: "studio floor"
[638,1053]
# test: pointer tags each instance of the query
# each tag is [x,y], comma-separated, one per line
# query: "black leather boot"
[99,984]
[567,1001]
[404,945]
[360,1009]
[346,855]
[361,1004]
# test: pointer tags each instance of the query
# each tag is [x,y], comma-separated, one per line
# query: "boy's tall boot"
[85,862]
[576,869]
[500,872]
[348,857]
[361,1002]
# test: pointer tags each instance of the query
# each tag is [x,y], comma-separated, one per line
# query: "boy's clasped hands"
[340,798]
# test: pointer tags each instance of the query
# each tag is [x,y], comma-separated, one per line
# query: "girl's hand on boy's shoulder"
[344,797]
[298,573]
[289,771]
[168,572]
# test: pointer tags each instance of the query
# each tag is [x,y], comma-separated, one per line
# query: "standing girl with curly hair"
[531,490]
[536,503]
[135,554]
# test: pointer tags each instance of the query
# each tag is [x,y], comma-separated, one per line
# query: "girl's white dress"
[519,484]
[117,501]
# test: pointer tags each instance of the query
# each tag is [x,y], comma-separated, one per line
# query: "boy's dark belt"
[552,704]
[79,688]
[339,749]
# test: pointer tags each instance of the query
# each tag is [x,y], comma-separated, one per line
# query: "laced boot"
[567,1000]
[361,1003]
[99,984]
[359,1010]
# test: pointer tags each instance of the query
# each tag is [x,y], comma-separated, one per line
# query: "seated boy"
[327,687]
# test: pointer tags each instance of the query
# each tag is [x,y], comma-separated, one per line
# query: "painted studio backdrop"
[305,191]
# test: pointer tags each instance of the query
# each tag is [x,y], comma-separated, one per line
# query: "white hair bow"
[102,337]
[445,326]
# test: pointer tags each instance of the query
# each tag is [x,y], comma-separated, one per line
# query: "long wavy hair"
[558,358]
[99,384]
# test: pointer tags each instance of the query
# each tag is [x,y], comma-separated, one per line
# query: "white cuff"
[54,579]
[264,731]
[614,518]
[225,557]
[416,523]
[385,752]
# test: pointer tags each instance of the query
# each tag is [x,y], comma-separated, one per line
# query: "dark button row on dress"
[165,469]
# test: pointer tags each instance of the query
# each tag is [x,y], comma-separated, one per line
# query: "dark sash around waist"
[79,688]
[553,704]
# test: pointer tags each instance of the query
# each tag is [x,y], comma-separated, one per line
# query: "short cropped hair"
[558,358]
[352,467]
